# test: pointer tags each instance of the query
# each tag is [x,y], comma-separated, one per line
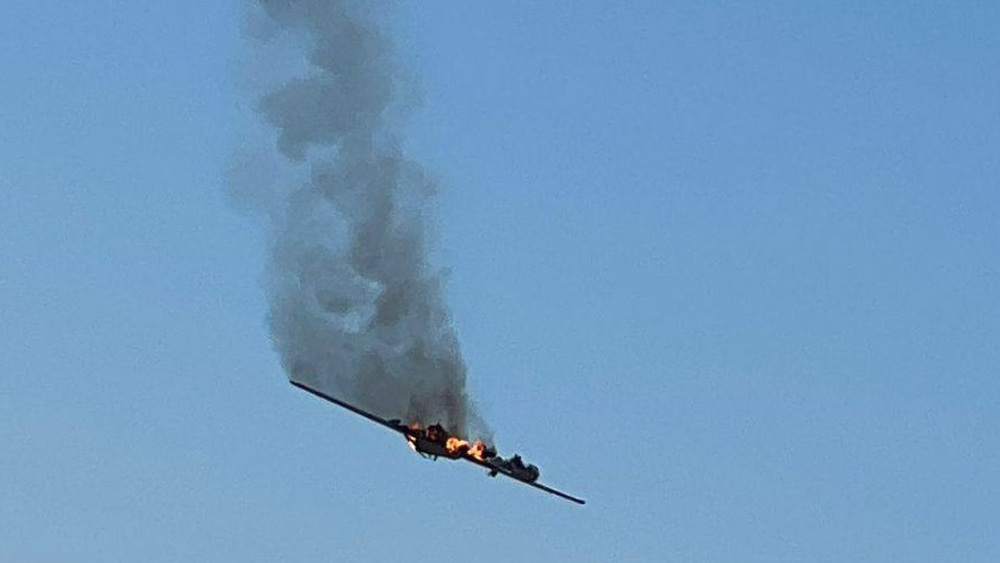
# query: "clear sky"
[730,272]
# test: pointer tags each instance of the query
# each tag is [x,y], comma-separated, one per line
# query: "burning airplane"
[356,304]
[435,441]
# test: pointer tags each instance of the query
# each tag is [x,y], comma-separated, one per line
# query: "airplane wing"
[402,429]
[503,470]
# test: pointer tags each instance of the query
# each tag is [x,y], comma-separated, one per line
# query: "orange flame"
[454,445]
[477,449]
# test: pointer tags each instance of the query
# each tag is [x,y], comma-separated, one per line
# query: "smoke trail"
[355,308]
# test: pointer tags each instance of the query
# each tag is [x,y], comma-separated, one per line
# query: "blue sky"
[729,272]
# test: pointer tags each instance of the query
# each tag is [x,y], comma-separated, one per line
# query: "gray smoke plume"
[355,308]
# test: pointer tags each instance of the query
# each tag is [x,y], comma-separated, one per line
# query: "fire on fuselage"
[435,441]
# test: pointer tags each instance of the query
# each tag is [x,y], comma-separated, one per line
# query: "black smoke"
[355,308]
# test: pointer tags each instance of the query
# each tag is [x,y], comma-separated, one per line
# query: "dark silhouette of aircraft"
[434,441]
